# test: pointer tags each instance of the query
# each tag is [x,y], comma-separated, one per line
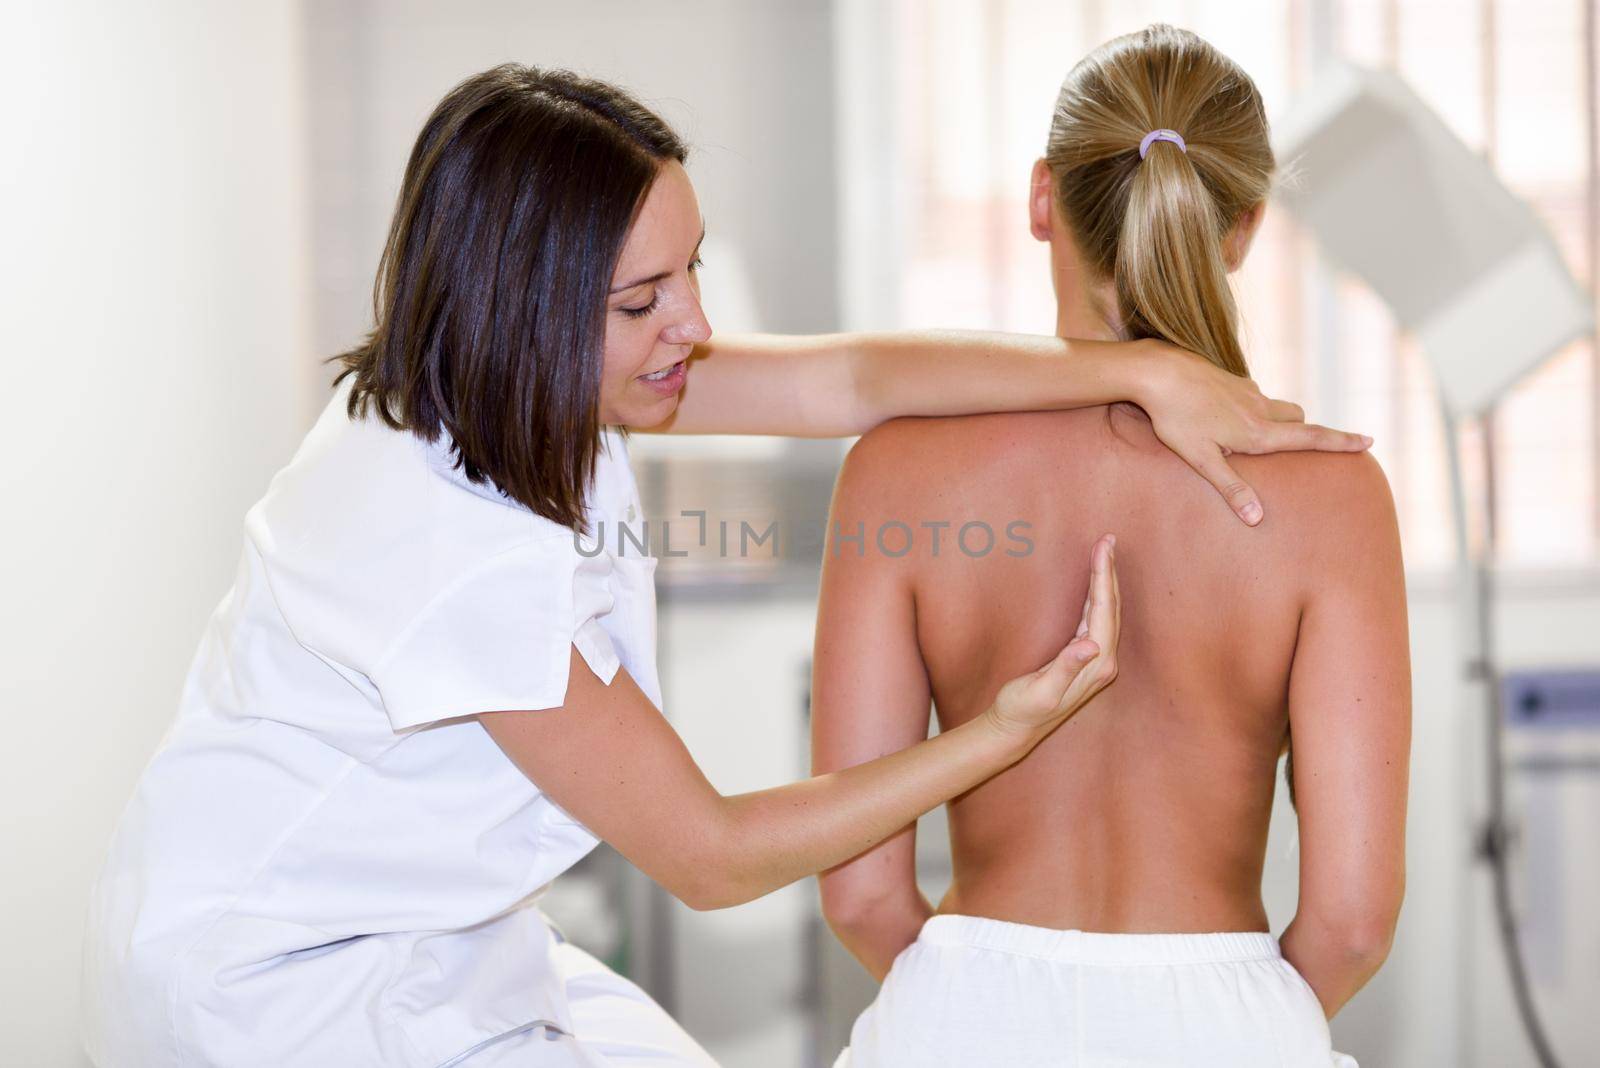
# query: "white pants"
[977,992]
[614,1025]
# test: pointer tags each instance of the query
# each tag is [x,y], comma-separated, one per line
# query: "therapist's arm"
[838,385]
[610,759]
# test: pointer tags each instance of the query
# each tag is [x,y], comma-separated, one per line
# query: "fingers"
[1240,497]
[1109,617]
[1056,678]
[1097,630]
[1076,653]
[1282,411]
[1083,620]
[1298,437]
[1116,602]
[1103,622]
[1086,665]
[1103,603]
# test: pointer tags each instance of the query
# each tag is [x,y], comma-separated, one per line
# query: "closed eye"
[643,310]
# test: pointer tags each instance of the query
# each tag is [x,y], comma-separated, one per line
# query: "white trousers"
[974,992]
[614,1025]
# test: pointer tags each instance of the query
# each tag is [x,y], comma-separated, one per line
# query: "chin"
[651,414]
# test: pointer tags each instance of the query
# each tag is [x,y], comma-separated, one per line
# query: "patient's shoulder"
[899,452]
[883,467]
[1348,480]
[894,443]
[1326,500]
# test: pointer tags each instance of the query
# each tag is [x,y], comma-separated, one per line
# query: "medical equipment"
[1397,199]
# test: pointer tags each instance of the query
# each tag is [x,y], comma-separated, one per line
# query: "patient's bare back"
[1148,810]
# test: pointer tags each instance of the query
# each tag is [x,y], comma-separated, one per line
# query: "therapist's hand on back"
[610,759]
[1039,702]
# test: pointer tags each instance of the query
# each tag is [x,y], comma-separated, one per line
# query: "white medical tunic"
[321,865]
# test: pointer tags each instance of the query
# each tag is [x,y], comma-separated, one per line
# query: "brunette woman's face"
[653,316]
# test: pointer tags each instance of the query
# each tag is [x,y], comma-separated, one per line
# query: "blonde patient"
[1106,902]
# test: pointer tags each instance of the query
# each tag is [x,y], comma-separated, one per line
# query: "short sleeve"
[498,637]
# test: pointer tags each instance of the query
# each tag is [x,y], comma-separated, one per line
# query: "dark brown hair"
[490,299]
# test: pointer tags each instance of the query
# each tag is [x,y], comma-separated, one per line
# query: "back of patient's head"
[1155,227]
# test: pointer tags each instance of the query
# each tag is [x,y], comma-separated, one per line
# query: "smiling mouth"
[657,376]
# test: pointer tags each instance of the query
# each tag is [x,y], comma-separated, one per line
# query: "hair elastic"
[1162,135]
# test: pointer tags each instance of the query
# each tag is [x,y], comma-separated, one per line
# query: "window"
[939,137]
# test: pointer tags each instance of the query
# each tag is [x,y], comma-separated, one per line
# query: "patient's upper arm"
[1350,702]
[869,690]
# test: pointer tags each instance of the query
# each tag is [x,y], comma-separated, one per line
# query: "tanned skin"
[1147,811]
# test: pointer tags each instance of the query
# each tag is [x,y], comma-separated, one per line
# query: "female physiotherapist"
[432,688]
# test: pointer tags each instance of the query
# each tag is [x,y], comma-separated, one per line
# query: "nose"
[690,329]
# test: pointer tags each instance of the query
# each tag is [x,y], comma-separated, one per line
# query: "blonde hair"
[1155,226]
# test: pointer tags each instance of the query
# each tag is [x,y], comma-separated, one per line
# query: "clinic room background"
[196,196]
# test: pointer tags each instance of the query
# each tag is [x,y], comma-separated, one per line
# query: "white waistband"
[1091,947]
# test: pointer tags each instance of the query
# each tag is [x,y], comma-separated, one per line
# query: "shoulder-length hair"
[490,299]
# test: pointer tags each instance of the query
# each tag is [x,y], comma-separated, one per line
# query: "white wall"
[747,84]
[736,677]
[155,339]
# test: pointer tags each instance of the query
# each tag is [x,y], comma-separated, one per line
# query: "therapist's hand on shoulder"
[610,759]
[1205,414]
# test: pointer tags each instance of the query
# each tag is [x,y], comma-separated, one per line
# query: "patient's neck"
[1084,308]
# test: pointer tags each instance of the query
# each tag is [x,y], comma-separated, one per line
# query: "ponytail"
[1171,281]
[1152,217]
